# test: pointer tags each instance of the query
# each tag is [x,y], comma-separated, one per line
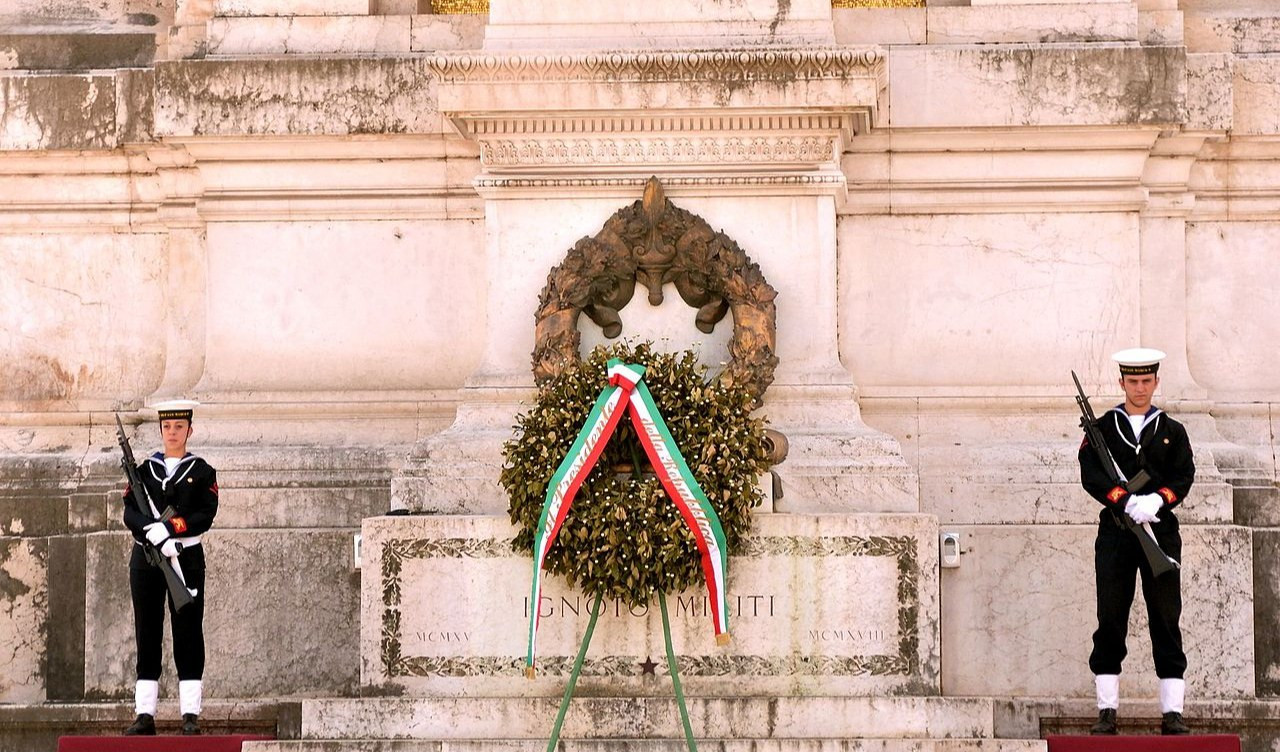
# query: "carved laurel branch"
[652,242]
[665,65]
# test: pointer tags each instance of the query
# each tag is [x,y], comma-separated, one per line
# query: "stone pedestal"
[445,608]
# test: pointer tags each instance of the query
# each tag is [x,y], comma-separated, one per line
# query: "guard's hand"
[170,548]
[156,533]
[1150,504]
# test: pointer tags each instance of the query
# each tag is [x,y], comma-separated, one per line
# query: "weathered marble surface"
[291,7]
[309,316]
[646,718]
[1019,613]
[258,582]
[1227,263]
[1066,22]
[80,315]
[69,111]
[324,96]
[879,25]
[1209,91]
[1266,609]
[658,23]
[308,35]
[1056,85]
[1256,94]
[24,614]
[974,280]
[444,602]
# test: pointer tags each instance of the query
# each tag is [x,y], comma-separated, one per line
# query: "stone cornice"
[760,64]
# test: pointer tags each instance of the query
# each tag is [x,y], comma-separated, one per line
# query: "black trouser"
[150,594]
[1117,557]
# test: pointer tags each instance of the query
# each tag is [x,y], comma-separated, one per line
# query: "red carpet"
[1205,743]
[165,743]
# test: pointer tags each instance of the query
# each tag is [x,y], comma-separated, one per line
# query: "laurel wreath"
[624,537]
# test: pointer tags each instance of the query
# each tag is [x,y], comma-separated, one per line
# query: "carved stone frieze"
[658,150]
[739,65]
[652,243]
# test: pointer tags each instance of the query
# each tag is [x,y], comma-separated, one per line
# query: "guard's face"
[1138,390]
[175,433]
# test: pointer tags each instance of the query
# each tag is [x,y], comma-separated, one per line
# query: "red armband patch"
[214,488]
[1116,494]
[1169,496]
[179,525]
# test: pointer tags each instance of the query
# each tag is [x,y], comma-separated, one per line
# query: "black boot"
[143,725]
[1106,725]
[1172,725]
[190,725]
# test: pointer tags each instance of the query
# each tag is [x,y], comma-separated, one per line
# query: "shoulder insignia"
[214,488]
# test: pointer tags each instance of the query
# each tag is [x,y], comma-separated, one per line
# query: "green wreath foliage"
[624,537]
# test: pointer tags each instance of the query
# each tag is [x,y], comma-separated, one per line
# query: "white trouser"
[1108,689]
[145,694]
[190,692]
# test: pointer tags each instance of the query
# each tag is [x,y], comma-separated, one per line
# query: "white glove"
[170,548]
[1151,504]
[156,533]
[1142,509]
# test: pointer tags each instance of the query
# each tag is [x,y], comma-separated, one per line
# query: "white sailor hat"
[1138,361]
[175,409]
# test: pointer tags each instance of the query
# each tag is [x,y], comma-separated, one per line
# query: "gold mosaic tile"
[460,6]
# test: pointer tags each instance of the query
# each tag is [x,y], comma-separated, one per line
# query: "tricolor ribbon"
[627,391]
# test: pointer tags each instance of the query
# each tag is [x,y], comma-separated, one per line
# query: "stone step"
[653,745]
[738,718]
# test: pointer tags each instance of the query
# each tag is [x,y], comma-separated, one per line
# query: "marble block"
[291,7]
[295,97]
[818,604]
[1069,84]
[24,604]
[591,23]
[280,619]
[1256,95]
[1019,613]
[308,35]
[1035,23]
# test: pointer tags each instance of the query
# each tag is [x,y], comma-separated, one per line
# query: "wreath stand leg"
[675,674]
[577,669]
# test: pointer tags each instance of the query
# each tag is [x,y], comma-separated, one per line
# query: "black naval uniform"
[1164,451]
[192,491]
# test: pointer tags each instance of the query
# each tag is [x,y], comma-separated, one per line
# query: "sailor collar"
[180,470]
[1152,417]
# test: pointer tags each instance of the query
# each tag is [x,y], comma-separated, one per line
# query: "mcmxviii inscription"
[804,606]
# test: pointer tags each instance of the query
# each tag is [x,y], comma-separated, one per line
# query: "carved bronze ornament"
[653,242]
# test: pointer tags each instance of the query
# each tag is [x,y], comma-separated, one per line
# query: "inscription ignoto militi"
[844,642]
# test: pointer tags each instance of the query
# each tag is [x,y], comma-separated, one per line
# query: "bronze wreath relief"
[653,242]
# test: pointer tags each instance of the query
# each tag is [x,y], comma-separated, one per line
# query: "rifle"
[178,592]
[1160,561]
